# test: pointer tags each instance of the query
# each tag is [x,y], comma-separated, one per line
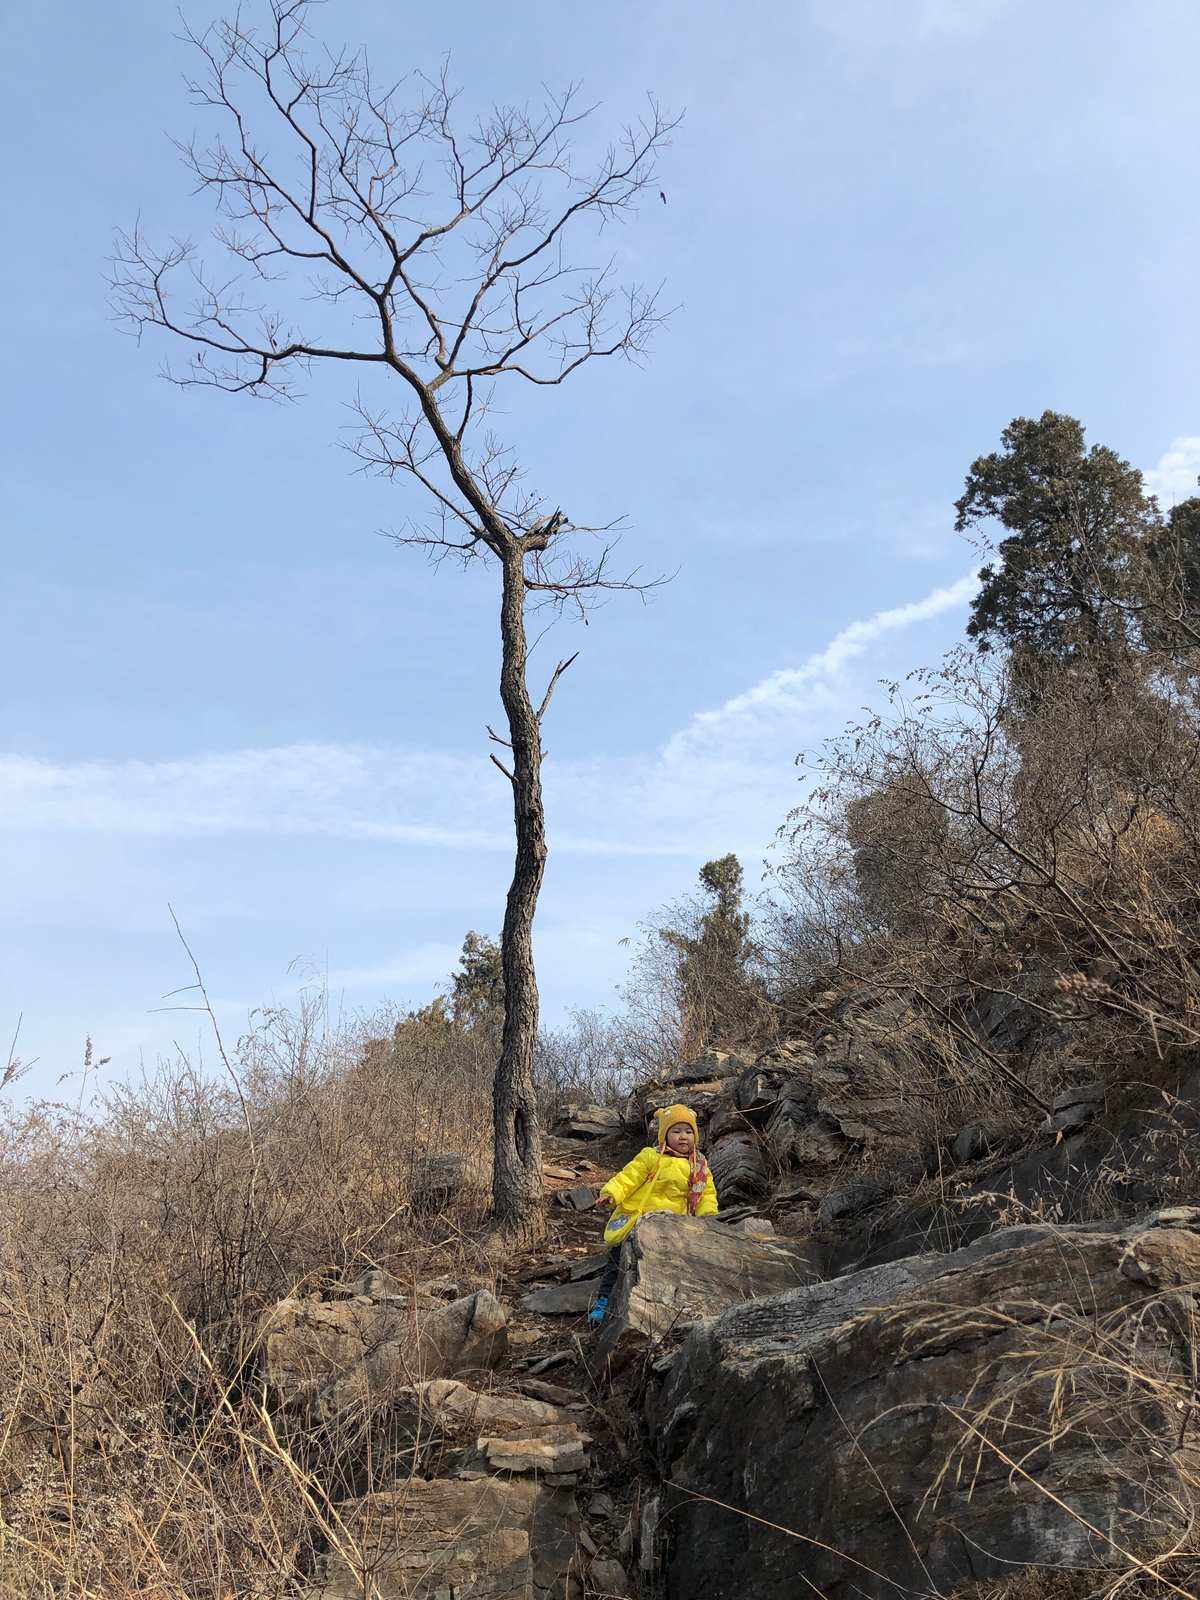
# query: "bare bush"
[968,849]
[138,1248]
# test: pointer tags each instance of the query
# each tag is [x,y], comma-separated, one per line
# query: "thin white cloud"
[1175,475]
[724,780]
[818,680]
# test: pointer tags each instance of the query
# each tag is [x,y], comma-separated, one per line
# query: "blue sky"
[891,226]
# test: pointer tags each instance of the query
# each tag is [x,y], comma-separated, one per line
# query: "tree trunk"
[517,1163]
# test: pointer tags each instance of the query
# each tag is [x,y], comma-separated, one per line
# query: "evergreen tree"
[1076,520]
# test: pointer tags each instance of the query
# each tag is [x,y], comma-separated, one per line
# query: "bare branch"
[554,677]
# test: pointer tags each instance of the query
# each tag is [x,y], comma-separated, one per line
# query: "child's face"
[681,1139]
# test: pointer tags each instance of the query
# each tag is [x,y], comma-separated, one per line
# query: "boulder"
[758,1088]
[738,1168]
[711,1066]
[675,1269]
[797,1137]
[436,1180]
[1074,1108]
[588,1122]
[879,1415]
[473,1539]
[607,1580]
[703,1098]
[971,1142]
[857,1196]
[339,1352]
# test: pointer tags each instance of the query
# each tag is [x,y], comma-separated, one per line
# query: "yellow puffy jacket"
[652,1182]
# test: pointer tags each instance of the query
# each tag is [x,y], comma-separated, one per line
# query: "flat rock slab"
[546,1450]
[560,1299]
[677,1269]
[837,1411]
[475,1540]
[455,1407]
[369,1350]
[588,1122]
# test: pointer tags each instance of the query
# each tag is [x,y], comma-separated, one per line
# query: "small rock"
[553,1393]
[607,1580]
[971,1142]
[575,1199]
[601,1506]
[377,1283]
[1074,1108]
[560,1299]
[556,1449]
[1080,1094]
[1073,1118]
[755,1228]
[588,1266]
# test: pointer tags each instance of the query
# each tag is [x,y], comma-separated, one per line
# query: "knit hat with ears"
[673,1117]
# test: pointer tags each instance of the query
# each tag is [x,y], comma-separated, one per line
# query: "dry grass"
[138,1248]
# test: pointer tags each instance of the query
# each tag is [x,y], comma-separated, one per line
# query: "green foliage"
[1170,580]
[477,988]
[721,997]
[1076,518]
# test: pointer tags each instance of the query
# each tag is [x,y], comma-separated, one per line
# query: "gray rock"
[838,1411]
[474,1539]
[971,1142]
[366,1351]
[560,1299]
[580,1199]
[675,1269]
[588,1122]
[848,1202]
[1080,1094]
[738,1168]
[713,1064]
[607,1580]
[1073,1118]
[436,1180]
[1074,1108]
[754,1228]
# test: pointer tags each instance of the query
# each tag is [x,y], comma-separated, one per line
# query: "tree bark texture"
[517,1162]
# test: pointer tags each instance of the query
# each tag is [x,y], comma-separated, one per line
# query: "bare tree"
[357,225]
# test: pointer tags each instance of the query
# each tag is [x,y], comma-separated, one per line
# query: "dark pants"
[606,1282]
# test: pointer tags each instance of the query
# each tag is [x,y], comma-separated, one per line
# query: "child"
[669,1176]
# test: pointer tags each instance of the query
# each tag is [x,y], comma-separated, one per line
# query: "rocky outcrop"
[330,1354]
[676,1269]
[937,1419]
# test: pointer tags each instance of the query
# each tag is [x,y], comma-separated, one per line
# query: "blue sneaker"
[599,1307]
